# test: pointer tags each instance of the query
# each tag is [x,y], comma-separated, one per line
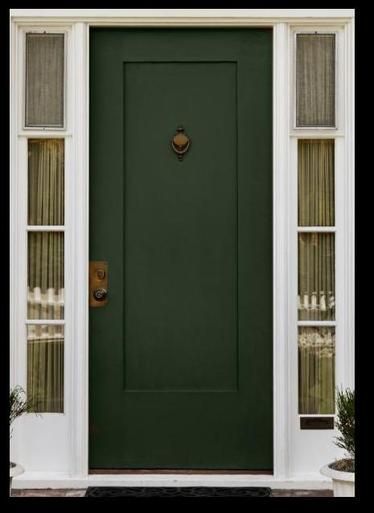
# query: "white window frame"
[343,136]
[68,463]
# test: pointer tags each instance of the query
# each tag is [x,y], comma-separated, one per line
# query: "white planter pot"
[14,471]
[343,483]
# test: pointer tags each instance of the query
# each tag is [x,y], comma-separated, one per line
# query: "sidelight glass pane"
[316,183]
[45,367]
[316,287]
[45,275]
[44,80]
[315,80]
[316,349]
[46,182]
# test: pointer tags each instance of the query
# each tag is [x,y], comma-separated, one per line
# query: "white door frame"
[72,426]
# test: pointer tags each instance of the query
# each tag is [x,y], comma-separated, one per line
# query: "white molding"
[77,252]
[280,274]
[320,133]
[75,420]
[185,16]
[349,202]
[316,323]
[78,223]
[45,228]
[313,481]
[43,133]
[316,229]
[56,322]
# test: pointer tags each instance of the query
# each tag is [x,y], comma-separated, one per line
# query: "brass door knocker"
[180,143]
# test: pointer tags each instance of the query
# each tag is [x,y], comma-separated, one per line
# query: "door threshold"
[113,471]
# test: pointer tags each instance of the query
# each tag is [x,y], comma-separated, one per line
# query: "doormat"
[176,492]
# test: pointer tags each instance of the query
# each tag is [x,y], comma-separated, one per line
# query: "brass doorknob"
[100,294]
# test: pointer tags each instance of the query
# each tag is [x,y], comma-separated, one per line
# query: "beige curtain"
[316,191]
[316,370]
[45,367]
[315,80]
[316,294]
[46,275]
[45,343]
[45,80]
[46,182]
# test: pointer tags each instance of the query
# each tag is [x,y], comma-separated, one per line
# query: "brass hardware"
[100,273]
[180,143]
[98,293]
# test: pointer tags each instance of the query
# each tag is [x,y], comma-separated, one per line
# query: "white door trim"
[74,428]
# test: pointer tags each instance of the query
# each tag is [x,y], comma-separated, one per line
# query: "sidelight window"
[44,109]
[316,255]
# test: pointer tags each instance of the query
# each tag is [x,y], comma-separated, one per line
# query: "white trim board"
[61,480]
[55,449]
[253,14]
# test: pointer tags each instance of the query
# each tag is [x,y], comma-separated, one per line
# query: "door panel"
[180,228]
[181,356]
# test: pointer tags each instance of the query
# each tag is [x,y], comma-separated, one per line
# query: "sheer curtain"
[45,80]
[316,189]
[315,80]
[316,197]
[45,376]
[46,275]
[316,295]
[46,250]
[45,351]
[316,370]
[316,279]
[46,182]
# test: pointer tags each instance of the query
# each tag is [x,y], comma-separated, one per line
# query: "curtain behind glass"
[45,275]
[316,294]
[315,80]
[46,182]
[45,367]
[316,370]
[44,80]
[316,194]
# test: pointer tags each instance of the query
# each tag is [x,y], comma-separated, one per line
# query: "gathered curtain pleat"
[46,182]
[316,191]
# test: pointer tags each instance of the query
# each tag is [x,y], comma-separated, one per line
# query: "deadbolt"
[100,273]
[100,294]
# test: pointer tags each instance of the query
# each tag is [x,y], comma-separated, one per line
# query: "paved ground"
[80,493]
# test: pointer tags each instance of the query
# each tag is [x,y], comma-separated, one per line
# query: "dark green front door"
[181,356]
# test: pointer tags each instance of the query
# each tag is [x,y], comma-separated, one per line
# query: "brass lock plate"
[98,283]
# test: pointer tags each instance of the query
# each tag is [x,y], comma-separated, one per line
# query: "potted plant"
[342,471]
[18,405]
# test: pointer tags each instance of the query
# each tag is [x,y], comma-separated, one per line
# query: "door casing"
[70,454]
